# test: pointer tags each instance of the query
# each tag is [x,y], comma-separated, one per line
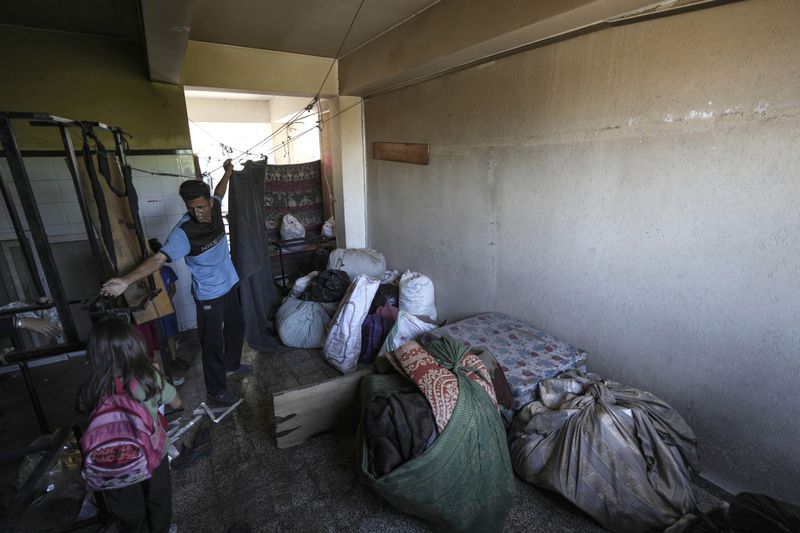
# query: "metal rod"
[26,197]
[37,405]
[72,163]
[27,251]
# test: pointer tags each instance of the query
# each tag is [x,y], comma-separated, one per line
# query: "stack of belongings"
[302,320]
[622,455]
[431,440]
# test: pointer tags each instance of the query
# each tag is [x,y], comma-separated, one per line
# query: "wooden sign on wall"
[403,152]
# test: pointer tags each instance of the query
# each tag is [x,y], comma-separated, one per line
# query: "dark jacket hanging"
[249,250]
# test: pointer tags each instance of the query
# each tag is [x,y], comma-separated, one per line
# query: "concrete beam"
[166,32]
[250,69]
[455,33]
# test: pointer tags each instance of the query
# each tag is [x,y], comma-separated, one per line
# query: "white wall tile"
[170,185]
[46,192]
[168,164]
[151,206]
[173,205]
[40,168]
[73,211]
[148,186]
[78,230]
[55,230]
[67,189]
[186,163]
[53,214]
[60,168]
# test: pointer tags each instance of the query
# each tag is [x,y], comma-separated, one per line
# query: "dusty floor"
[309,488]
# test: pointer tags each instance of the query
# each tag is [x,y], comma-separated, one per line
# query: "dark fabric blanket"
[249,250]
[398,427]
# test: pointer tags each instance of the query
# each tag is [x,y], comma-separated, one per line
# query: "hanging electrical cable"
[314,100]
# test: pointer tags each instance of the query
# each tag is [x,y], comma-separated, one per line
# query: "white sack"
[343,344]
[302,324]
[291,228]
[329,228]
[416,295]
[407,328]
[357,261]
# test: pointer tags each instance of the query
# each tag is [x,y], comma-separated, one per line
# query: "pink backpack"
[122,445]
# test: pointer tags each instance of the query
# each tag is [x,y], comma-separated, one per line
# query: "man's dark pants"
[221,327]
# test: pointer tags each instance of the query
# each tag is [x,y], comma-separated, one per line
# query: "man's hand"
[228,166]
[40,325]
[114,287]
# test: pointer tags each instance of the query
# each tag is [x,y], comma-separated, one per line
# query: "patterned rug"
[295,190]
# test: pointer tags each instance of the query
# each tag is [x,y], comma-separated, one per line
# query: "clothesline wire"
[314,100]
[243,152]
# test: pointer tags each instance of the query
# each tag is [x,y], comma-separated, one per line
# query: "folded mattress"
[525,354]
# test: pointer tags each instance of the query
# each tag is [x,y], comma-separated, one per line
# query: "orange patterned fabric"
[438,385]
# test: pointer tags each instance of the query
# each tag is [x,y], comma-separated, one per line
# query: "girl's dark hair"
[115,349]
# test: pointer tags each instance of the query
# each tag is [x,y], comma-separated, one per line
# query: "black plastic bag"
[328,286]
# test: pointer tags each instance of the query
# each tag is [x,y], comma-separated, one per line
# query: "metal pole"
[27,252]
[20,175]
[37,405]
[72,163]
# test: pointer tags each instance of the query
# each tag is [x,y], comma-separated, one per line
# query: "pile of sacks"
[356,309]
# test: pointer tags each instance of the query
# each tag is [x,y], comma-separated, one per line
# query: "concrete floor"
[309,488]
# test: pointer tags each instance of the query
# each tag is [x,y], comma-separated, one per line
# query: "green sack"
[464,481]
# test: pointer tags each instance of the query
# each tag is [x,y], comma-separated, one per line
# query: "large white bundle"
[357,261]
[406,328]
[416,295]
[343,344]
[302,324]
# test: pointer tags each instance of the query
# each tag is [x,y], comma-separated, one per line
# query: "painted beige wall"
[86,78]
[635,192]
[453,33]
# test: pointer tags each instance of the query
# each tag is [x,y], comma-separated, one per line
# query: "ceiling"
[312,27]
[118,19]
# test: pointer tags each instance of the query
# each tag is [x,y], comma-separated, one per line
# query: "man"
[199,237]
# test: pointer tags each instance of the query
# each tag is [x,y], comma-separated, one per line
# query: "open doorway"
[287,132]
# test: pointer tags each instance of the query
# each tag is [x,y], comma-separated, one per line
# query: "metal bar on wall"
[27,251]
[72,164]
[26,197]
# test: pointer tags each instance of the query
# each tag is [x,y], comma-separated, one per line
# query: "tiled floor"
[309,488]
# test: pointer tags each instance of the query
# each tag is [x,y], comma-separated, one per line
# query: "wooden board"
[308,411]
[404,152]
[125,240]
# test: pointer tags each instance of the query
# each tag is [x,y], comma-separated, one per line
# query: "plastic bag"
[329,228]
[327,286]
[417,295]
[300,284]
[291,228]
[357,261]
[407,328]
[343,344]
[301,324]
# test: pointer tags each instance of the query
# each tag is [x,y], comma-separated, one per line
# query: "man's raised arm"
[222,186]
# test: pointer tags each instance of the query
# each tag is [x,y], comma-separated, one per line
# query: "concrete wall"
[635,192]
[87,78]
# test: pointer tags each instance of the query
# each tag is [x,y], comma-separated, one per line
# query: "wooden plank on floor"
[307,411]
[418,154]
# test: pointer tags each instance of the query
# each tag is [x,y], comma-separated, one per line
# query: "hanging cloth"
[249,251]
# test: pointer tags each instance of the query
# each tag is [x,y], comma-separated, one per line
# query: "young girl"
[115,350]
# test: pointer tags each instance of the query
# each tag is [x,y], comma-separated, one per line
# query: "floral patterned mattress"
[526,354]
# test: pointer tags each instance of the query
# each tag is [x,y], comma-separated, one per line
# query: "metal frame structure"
[41,246]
